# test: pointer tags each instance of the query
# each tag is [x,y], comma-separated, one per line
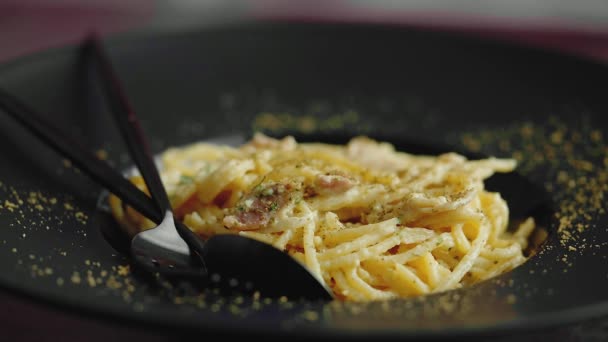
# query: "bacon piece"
[333,183]
[260,140]
[223,197]
[375,155]
[255,210]
[187,207]
[309,191]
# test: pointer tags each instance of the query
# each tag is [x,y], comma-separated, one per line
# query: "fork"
[172,255]
[164,247]
[101,172]
[233,257]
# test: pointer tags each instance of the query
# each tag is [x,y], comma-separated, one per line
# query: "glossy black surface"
[422,91]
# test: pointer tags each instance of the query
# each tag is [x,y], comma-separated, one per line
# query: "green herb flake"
[274,206]
[259,188]
[183,179]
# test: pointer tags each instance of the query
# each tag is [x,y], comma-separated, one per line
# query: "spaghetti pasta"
[369,221]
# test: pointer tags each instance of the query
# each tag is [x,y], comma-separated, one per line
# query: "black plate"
[426,92]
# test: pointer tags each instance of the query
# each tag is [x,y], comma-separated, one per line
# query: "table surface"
[27,26]
[26,320]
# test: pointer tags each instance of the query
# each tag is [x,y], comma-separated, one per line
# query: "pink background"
[27,26]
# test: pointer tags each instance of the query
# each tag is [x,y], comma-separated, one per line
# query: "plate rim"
[532,323]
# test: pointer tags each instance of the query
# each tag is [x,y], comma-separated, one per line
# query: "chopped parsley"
[259,188]
[274,206]
[183,179]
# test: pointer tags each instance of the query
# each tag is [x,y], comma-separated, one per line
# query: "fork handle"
[72,149]
[129,125]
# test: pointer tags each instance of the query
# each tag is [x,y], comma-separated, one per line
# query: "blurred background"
[576,26]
